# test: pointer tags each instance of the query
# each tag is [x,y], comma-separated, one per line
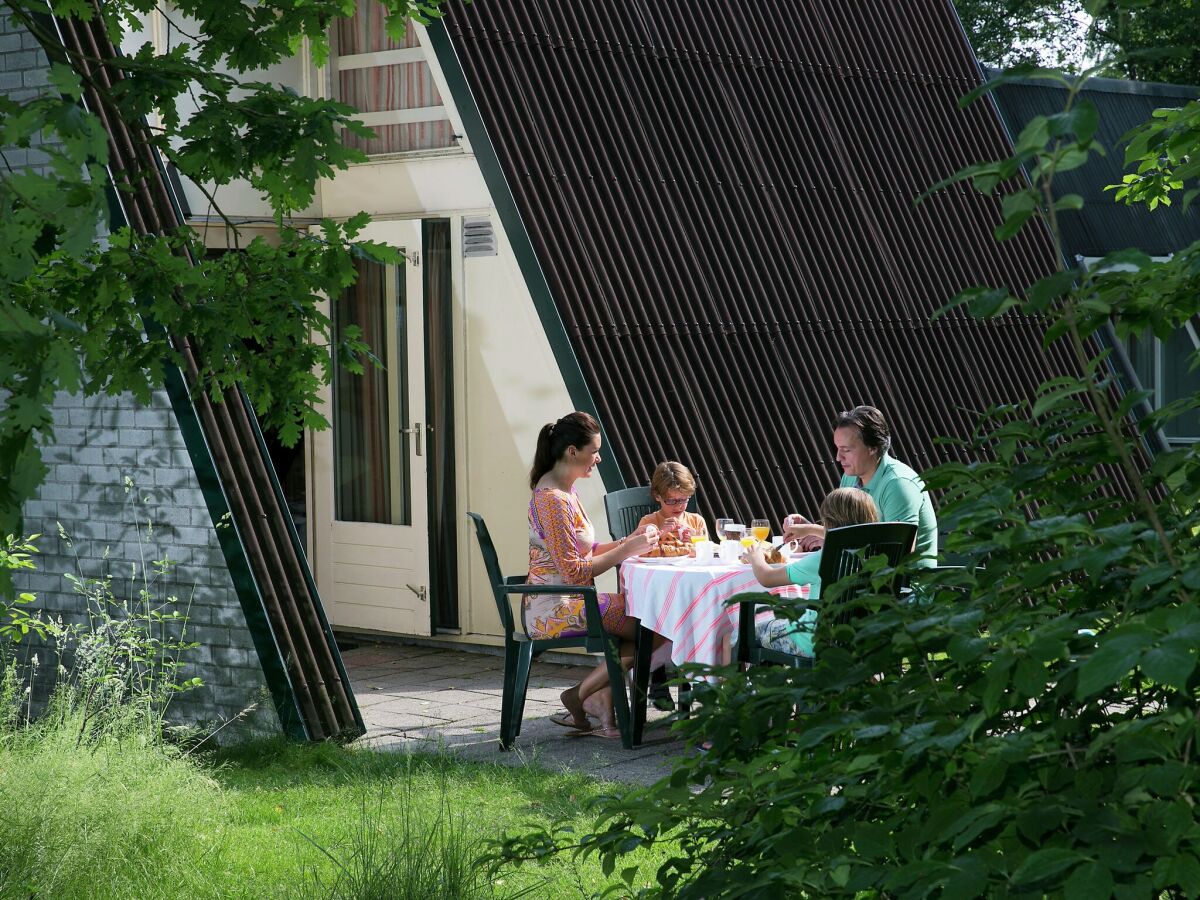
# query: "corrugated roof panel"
[721,198]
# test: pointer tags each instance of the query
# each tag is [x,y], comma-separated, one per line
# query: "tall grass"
[107,817]
[93,801]
[396,851]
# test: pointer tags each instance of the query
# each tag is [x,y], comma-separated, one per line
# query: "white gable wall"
[507,380]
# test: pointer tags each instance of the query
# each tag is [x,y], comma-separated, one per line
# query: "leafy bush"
[1032,729]
[16,554]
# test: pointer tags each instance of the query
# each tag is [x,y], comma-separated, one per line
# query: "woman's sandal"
[566,720]
[598,732]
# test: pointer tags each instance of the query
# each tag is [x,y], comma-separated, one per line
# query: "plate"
[665,560]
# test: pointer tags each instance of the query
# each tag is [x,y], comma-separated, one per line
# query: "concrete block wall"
[23,71]
[120,494]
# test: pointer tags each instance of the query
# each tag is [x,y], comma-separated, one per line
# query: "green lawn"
[128,818]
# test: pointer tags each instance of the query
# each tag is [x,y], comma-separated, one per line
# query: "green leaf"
[1118,654]
[978,820]
[1012,224]
[1185,869]
[1046,290]
[1050,400]
[1091,881]
[1030,677]
[1085,119]
[1043,864]
[985,303]
[1033,137]
[1171,662]
[65,80]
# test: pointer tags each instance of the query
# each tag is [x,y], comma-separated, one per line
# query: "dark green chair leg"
[616,678]
[524,658]
[685,698]
[641,681]
[511,659]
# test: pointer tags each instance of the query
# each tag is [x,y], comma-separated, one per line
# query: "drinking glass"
[722,525]
[744,536]
[761,529]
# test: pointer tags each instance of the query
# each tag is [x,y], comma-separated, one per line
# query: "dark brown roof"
[721,197]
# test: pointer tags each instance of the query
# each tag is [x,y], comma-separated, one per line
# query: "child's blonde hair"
[670,475]
[848,506]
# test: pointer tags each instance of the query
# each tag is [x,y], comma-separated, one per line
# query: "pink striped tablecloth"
[685,603]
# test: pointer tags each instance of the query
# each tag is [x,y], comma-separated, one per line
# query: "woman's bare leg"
[596,690]
[593,695]
[573,704]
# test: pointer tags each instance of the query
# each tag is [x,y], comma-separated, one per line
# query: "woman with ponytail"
[563,550]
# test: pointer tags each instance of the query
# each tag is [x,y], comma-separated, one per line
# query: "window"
[1165,367]
[390,84]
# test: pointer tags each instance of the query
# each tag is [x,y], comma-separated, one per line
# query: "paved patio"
[432,699]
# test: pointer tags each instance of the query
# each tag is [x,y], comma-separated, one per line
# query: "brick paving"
[422,698]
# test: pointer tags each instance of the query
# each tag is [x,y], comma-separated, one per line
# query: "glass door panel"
[372,476]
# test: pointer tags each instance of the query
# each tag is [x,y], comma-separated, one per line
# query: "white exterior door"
[369,486]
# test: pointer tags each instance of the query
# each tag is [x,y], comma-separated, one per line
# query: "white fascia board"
[439,79]
[399,57]
[403,116]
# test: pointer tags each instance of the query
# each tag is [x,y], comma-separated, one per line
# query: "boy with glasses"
[672,486]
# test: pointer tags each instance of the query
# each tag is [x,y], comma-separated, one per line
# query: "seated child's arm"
[768,575]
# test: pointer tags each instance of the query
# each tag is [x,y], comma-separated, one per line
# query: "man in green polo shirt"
[862,439]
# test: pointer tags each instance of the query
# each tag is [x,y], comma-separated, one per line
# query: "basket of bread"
[670,544]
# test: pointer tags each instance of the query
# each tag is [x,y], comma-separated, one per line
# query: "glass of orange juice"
[761,529]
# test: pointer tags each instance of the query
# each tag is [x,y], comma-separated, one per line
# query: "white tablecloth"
[686,603]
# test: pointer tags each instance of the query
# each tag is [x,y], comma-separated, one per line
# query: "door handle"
[416,431]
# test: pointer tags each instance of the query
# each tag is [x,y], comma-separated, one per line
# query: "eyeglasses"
[676,501]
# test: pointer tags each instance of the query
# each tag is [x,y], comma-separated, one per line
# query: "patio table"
[686,603]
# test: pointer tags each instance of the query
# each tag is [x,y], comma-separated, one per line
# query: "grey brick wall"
[23,70]
[122,488]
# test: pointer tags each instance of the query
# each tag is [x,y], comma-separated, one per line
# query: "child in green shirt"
[841,507]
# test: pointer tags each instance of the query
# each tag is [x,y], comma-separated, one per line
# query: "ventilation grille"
[479,238]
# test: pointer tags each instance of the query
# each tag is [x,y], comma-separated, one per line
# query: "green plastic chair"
[841,557]
[519,649]
[625,508]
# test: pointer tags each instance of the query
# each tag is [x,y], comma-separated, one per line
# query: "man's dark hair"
[870,424]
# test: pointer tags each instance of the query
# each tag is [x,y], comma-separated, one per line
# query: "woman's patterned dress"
[561,538]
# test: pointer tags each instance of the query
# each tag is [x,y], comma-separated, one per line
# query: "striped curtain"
[385,88]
